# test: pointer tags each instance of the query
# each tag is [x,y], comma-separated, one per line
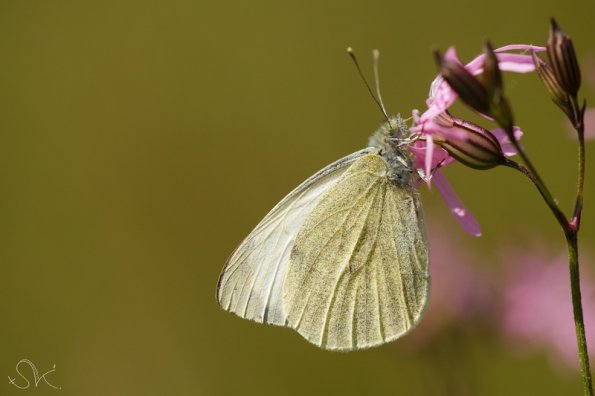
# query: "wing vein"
[404,300]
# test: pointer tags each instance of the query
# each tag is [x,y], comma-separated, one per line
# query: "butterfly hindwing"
[358,271]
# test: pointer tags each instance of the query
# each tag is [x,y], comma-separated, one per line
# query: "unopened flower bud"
[469,88]
[559,95]
[483,94]
[562,58]
[469,143]
[491,76]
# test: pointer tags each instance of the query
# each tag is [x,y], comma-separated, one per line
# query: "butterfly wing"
[358,273]
[251,282]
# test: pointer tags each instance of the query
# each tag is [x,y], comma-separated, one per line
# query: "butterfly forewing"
[251,282]
[358,271]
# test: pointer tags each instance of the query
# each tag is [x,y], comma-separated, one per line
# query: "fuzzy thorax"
[392,138]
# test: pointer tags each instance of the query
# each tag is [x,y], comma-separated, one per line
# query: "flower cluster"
[526,299]
[446,138]
[561,74]
[537,310]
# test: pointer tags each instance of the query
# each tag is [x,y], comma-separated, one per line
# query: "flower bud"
[491,76]
[469,88]
[483,94]
[559,95]
[562,58]
[469,143]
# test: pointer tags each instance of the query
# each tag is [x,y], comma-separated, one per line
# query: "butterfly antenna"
[376,57]
[359,70]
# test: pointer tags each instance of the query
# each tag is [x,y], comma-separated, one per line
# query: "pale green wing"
[251,282]
[358,273]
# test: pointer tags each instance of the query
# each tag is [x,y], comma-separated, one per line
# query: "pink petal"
[439,156]
[419,155]
[507,147]
[428,162]
[520,47]
[442,96]
[463,216]
[519,63]
[516,63]
[451,55]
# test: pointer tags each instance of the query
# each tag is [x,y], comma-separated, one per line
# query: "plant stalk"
[579,126]
[577,309]
[570,229]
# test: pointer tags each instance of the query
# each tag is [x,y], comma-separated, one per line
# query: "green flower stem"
[580,130]
[572,241]
[577,308]
[570,231]
[578,206]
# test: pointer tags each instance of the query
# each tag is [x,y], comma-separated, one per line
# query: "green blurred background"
[140,141]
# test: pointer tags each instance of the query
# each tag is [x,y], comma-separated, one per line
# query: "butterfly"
[343,258]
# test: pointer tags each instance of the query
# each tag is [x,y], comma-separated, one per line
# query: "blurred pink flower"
[460,290]
[430,157]
[537,306]
[589,70]
[590,123]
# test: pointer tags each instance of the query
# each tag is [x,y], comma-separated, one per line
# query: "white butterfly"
[342,259]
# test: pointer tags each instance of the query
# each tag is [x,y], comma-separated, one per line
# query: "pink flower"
[537,309]
[589,120]
[442,96]
[589,68]
[460,290]
[430,157]
[507,146]
[590,123]
[589,113]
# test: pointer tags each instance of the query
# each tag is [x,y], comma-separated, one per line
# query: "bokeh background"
[140,141]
